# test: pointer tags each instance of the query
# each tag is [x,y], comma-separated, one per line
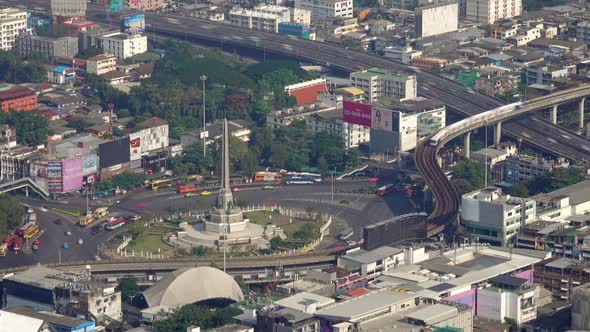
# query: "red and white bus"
[119,222]
[189,188]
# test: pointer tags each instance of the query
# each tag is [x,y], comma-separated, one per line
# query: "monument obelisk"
[226,218]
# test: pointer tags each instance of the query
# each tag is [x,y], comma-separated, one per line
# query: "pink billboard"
[357,113]
[72,174]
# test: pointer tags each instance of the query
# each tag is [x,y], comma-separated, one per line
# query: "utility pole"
[111,106]
[334,173]
[486,157]
[204,133]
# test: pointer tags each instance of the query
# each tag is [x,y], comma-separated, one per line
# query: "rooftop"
[16,92]
[381,73]
[365,257]
[50,317]
[300,301]
[43,277]
[152,122]
[578,193]
[434,314]
[417,105]
[102,57]
[15,322]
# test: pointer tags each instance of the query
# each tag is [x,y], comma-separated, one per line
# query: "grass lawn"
[291,229]
[261,218]
[150,240]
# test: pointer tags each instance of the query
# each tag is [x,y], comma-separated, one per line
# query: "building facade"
[261,18]
[18,99]
[519,168]
[436,19]
[122,45]
[494,217]
[12,22]
[68,8]
[583,32]
[144,4]
[379,83]
[101,64]
[489,11]
[50,47]
[331,122]
[326,9]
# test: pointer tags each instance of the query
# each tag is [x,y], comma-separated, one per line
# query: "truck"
[36,245]
[87,219]
[101,212]
[18,244]
[185,189]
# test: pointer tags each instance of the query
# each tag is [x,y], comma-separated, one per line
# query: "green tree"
[472,172]
[518,190]
[198,315]
[11,214]
[31,128]
[462,186]
[79,125]
[89,52]
[130,292]
[128,180]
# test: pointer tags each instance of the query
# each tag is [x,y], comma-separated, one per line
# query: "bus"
[101,212]
[295,179]
[194,177]
[268,177]
[314,176]
[189,188]
[32,231]
[384,190]
[3,249]
[119,222]
[161,183]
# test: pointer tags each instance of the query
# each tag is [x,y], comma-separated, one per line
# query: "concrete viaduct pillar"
[553,114]
[581,112]
[467,145]
[498,133]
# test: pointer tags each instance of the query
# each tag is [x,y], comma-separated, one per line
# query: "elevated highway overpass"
[446,199]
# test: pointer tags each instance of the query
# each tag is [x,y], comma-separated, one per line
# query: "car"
[351,243]
[57,221]
[80,241]
[189,195]
[237,190]
[268,188]
[95,229]
[373,179]
[97,258]
[118,202]
[135,218]
[205,193]
[68,233]
[66,245]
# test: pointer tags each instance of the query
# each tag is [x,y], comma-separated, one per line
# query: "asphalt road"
[357,212]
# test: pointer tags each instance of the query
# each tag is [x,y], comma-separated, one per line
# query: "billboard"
[117,5]
[356,113]
[381,119]
[135,146]
[114,152]
[133,24]
[89,164]
[54,176]
[72,174]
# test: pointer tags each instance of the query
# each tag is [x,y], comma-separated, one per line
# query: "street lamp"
[204,131]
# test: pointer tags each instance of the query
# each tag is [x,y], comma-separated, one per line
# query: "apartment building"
[494,217]
[12,22]
[144,4]
[101,64]
[520,168]
[379,83]
[261,18]
[331,121]
[68,8]
[27,43]
[326,9]
[489,11]
[122,45]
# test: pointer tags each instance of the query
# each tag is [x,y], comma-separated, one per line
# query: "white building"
[326,9]
[68,8]
[331,121]
[12,22]
[524,36]
[379,83]
[436,19]
[123,45]
[261,18]
[101,64]
[508,296]
[489,11]
[564,203]
[372,262]
[495,217]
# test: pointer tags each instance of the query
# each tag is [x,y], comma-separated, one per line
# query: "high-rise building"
[68,8]
[12,22]
[326,9]
[489,11]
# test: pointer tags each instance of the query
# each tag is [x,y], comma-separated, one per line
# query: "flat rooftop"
[578,193]
[383,73]
[365,257]
[43,277]
[302,300]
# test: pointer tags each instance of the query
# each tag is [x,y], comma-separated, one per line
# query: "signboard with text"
[117,5]
[356,113]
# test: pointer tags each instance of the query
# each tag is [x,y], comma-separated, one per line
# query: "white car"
[68,233]
[80,241]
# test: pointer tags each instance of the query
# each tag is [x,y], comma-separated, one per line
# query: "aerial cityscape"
[294,166]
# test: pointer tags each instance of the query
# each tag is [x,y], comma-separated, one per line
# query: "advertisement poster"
[381,119]
[134,146]
[72,174]
[117,5]
[89,164]
[356,113]
[133,24]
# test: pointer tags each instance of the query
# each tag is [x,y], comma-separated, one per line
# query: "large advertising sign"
[54,176]
[133,24]
[72,174]
[89,164]
[356,113]
[381,119]
[117,5]
[114,152]
[135,146]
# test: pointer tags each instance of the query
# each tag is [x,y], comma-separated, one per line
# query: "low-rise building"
[47,321]
[331,121]
[286,320]
[123,45]
[380,83]
[564,203]
[494,217]
[66,293]
[260,18]
[18,99]
[350,93]
[209,13]
[326,9]
[372,263]
[581,308]
[101,64]
[519,168]
[61,75]
[50,47]
[491,156]
[535,236]
[508,296]
[306,93]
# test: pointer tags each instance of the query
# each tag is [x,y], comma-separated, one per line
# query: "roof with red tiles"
[308,95]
